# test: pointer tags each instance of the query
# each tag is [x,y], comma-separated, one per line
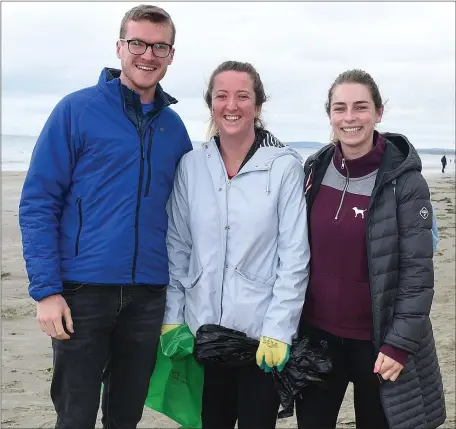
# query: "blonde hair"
[212,129]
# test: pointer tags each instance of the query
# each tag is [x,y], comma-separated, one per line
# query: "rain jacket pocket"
[253,296]
[254,278]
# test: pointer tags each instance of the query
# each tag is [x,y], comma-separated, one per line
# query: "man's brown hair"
[150,13]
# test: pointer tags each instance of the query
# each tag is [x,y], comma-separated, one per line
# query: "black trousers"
[116,333]
[244,394]
[353,361]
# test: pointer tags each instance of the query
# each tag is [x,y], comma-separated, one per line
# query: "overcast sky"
[52,49]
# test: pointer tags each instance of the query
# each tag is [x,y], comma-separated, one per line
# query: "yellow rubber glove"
[167,328]
[272,353]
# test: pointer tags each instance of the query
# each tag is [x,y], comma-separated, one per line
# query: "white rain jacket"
[238,249]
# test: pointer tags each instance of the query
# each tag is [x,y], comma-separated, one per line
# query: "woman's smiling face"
[353,115]
[233,103]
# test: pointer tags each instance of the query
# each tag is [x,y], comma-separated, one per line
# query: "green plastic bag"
[176,385]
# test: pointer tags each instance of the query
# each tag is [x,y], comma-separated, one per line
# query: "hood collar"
[270,149]
[400,156]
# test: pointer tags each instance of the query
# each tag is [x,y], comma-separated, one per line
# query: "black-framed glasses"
[138,47]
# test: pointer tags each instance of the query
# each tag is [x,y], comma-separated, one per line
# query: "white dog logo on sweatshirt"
[359,211]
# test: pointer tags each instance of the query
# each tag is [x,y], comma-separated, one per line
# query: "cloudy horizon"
[52,49]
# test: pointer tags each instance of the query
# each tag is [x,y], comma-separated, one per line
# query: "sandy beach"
[27,352]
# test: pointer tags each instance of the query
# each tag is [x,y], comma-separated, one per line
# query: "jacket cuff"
[173,319]
[392,352]
[39,293]
[277,334]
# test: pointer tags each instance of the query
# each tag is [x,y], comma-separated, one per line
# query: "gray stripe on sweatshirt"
[357,185]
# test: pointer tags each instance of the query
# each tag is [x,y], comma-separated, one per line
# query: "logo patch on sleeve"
[424,213]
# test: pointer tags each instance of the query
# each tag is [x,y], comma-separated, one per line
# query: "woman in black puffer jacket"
[372,277]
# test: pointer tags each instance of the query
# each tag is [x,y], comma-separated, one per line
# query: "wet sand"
[27,352]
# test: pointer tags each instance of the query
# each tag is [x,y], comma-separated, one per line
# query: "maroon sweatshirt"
[338,297]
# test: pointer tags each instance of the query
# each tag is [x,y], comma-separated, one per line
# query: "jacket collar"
[263,138]
[110,80]
[398,156]
[262,160]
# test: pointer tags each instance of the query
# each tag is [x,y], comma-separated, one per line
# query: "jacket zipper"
[76,246]
[149,171]
[226,229]
[138,201]
[375,340]
[139,129]
[370,287]
[345,188]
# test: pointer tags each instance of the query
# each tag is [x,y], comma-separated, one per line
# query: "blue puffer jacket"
[93,205]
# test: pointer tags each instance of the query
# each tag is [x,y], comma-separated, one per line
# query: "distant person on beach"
[93,220]
[444,163]
[238,247]
[371,272]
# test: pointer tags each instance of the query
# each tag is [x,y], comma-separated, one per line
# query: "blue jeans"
[116,332]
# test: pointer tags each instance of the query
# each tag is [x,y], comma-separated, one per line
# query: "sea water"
[17,151]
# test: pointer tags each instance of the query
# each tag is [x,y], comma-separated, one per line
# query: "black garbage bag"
[224,347]
[309,361]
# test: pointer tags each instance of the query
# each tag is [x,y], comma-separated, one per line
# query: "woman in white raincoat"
[238,247]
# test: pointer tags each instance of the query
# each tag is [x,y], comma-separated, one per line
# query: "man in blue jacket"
[93,220]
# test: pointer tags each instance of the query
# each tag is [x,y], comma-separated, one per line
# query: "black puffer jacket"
[401,275]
